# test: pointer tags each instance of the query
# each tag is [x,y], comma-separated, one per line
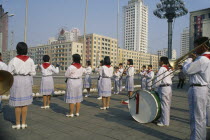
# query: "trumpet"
[175,63]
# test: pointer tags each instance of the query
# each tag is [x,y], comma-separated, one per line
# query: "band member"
[149,76]
[87,81]
[99,79]
[129,83]
[117,76]
[121,75]
[198,70]
[3,66]
[181,77]
[163,83]
[143,77]
[22,67]
[105,83]
[47,83]
[74,85]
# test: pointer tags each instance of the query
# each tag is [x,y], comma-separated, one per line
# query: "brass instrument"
[6,81]
[175,63]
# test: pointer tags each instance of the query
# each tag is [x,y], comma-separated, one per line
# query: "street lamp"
[26,22]
[84,39]
[170,9]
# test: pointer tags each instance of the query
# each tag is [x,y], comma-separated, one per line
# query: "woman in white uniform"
[149,76]
[47,83]
[99,79]
[87,80]
[117,80]
[74,85]
[105,83]
[22,68]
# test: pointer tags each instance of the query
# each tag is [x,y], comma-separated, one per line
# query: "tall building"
[199,25]
[185,42]
[3,30]
[136,26]
[71,35]
[164,52]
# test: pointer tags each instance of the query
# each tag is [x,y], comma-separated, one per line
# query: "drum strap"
[137,103]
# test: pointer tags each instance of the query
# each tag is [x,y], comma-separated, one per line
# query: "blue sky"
[47,17]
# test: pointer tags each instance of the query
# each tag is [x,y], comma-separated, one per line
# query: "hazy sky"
[47,17]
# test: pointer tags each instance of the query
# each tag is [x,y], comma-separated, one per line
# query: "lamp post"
[170,9]
[84,39]
[26,22]
[118,12]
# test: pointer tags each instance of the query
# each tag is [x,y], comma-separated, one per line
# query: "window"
[202,16]
[195,18]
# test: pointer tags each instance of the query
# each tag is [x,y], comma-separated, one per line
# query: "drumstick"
[137,103]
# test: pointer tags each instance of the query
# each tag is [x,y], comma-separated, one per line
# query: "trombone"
[175,63]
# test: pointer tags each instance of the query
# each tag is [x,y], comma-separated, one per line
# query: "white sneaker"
[24,126]
[107,107]
[103,108]
[68,115]
[99,98]
[16,126]
[86,95]
[77,114]
[47,107]
[43,107]
[160,124]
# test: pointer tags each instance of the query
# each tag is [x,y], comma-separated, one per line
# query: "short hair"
[201,40]
[150,66]
[107,60]
[88,63]
[0,53]
[144,66]
[102,62]
[46,58]
[76,58]
[121,64]
[22,48]
[131,61]
[164,60]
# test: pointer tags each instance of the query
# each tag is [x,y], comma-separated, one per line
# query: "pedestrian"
[163,83]
[121,76]
[198,70]
[143,73]
[105,83]
[181,77]
[22,68]
[74,85]
[87,80]
[149,76]
[4,67]
[116,77]
[99,79]
[47,83]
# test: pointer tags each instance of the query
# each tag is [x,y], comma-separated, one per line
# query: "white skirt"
[87,81]
[105,87]
[129,84]
[21,91]
[47,85]
[74,91]
[99,92]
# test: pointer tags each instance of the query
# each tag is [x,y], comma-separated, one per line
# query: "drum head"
[148,106]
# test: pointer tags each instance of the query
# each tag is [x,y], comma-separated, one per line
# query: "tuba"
[6,81]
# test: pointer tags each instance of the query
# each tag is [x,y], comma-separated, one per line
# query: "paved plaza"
[94,124]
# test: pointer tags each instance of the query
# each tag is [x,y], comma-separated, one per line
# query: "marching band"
[197,67]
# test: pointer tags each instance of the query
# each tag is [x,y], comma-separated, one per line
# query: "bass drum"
[144,106]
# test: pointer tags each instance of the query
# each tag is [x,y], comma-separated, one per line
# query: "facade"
[71,35]
[185,42]
[199,25]
[164,52]
[3,30]
[136,26]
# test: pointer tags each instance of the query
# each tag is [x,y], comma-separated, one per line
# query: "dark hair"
[201,40]
[76,58]
[131,61]
[46,58]
[116,67]
[22,48]
[164,60]
[150,66]
[144,66]
[102,62]
[88,63]
[107,60]
[121,64]
[0,54]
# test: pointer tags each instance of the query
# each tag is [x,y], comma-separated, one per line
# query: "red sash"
[23,57]
[108,66]
[166,67]
[46,65]
[1,60]
[149,71]
[206,55]
[77,65]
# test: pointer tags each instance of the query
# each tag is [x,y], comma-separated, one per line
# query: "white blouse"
[73,72]
[130,71]
[3,66]
[49,71]
[107,72]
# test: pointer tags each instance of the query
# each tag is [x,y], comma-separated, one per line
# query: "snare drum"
[144,106]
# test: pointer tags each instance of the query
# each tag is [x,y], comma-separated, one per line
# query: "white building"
[51,40]
[71,35]
[164,52]
[136,26]
[185,41]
